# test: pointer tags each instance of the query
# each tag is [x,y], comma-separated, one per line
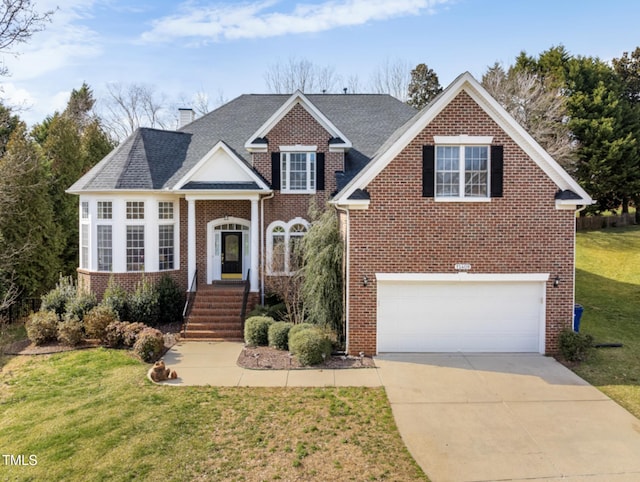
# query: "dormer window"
[298,171]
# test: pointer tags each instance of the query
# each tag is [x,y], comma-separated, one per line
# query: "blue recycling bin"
[577,315]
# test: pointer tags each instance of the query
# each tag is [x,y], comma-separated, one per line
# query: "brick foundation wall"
[98,281]
[401,231]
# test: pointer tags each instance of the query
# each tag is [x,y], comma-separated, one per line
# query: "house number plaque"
[462,266]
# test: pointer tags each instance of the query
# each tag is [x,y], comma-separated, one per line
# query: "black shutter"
[497,168]
[275,170]
[428,170]
[320,171]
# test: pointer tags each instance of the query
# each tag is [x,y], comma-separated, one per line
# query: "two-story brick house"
[458,226]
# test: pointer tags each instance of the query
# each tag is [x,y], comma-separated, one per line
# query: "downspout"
[346,276]
[262,242]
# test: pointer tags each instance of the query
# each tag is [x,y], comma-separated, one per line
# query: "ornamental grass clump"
[256,330]
[149,345]
[42,327]
[279,334]
[310,346]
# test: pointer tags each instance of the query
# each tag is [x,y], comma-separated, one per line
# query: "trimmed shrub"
[42,326]
[309,345]
[131,332]
[301,327]
[170,300]
[97,320]
[117,299]
[256,330]
[149,345]
[114,333]
[70,331]
[143,303]
[56,300]
[279,334]
[80,305]
[575,347]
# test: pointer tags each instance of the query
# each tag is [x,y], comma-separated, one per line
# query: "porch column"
[255,244]
[191,243]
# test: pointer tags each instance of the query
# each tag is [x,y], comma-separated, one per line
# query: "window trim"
[287,226]
[311,168]
[462,142]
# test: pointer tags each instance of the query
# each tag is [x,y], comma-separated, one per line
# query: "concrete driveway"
[508,417]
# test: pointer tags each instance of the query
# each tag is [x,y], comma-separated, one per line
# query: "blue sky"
[223,48]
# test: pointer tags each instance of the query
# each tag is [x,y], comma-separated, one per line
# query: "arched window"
[284,255]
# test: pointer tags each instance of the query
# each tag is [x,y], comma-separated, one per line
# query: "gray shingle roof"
[157,159]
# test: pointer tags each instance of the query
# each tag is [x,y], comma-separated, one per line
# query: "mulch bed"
[267,358]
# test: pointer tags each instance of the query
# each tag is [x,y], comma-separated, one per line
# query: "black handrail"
[245,296]
[189,302]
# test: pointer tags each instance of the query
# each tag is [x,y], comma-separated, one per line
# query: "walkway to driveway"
[466,418]
[214,363]
[508,417]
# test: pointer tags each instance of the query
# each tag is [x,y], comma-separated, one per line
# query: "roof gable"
[256,142]
[405,134]
[221,167]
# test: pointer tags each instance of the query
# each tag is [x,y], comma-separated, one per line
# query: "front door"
[231,256]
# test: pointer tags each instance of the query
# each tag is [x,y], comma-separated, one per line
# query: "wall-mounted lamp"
[556,281]
[365,280]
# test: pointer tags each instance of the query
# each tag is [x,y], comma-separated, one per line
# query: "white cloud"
[258,20]
[62,42]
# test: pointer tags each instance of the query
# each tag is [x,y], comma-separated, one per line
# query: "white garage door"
[466,313]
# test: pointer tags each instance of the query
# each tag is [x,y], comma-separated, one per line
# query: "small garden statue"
[159,372]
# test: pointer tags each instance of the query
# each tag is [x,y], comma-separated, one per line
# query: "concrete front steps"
[216,313]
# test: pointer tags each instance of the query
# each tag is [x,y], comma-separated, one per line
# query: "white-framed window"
[84,235]
[135,247]
[135,209]
[166,236]
[298,172]
[84,245]
[165,210]
[283,246]
[462,171]
[105,210]
[165,247]
[105,247]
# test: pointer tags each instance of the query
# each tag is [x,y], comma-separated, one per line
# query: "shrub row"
[306,341]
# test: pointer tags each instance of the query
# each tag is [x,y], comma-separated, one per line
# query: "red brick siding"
[401,231]
[98,281]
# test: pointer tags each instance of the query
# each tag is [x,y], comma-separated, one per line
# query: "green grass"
[608,286]
[92,415]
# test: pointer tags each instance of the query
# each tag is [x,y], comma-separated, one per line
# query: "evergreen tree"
[423,87]
[30,239]
[72,142]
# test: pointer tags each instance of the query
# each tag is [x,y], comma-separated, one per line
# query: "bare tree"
[129,107]
[393,78]
[301,74]
[537,106]
[19,20]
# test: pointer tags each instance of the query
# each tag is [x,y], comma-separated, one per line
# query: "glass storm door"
[231,255]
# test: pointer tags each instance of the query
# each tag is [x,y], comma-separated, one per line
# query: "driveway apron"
[477,417]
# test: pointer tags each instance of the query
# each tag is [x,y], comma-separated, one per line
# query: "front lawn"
[92,415]
[608,286]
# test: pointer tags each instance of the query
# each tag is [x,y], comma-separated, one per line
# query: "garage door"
[466,313]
